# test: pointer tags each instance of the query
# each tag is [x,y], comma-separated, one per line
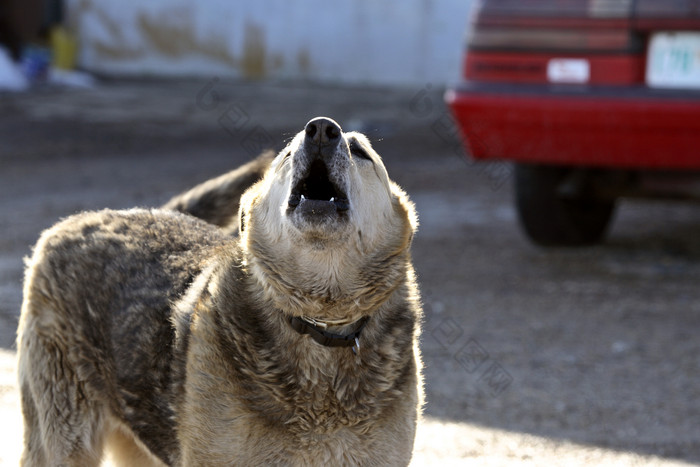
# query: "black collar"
[323,337]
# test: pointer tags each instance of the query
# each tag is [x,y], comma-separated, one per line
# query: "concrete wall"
[354,41]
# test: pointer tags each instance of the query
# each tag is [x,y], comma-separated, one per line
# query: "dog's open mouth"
[317,192]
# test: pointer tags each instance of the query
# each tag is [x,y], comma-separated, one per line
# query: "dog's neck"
[331,290]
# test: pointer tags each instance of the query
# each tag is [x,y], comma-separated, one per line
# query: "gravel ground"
[532,356]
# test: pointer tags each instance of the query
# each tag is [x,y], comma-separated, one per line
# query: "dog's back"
[95,338]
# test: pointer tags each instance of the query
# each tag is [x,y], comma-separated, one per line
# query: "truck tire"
[550,219]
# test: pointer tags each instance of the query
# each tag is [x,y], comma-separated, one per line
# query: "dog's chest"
[270,418]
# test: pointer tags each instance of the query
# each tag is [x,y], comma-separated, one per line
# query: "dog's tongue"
[316,207]
[338,204]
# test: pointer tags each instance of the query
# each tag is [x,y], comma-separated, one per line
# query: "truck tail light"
[555,41]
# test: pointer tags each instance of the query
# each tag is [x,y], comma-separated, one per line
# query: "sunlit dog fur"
[166,340]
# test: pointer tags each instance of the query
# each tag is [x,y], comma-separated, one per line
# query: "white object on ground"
[70,78]
[11,77]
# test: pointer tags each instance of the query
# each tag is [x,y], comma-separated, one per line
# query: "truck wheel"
[549,218]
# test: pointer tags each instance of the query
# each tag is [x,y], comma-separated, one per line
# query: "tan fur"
[125,449]
[167,341]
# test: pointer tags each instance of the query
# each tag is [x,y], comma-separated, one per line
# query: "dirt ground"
[532,356]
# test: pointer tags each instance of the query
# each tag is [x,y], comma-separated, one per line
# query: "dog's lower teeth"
[303,197]
[332,199]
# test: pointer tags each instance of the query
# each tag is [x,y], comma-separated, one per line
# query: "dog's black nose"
[322,131]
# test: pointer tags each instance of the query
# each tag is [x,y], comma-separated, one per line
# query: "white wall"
[354,41]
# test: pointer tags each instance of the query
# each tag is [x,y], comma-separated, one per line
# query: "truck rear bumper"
[583,126]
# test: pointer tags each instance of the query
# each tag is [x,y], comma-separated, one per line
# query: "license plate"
[568,70]
[673,60]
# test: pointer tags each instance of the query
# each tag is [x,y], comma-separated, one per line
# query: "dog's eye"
[358,151]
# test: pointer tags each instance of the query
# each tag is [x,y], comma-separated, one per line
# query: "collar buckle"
[356,347]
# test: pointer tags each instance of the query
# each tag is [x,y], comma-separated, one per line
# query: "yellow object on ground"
[64,48]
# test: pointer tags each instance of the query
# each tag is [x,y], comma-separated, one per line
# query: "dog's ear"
[405,206]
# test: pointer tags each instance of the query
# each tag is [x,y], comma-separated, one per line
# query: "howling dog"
[164,339]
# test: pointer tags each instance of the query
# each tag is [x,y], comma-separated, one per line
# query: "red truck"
[592,99]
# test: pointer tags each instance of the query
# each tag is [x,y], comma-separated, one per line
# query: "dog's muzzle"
[316,191]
